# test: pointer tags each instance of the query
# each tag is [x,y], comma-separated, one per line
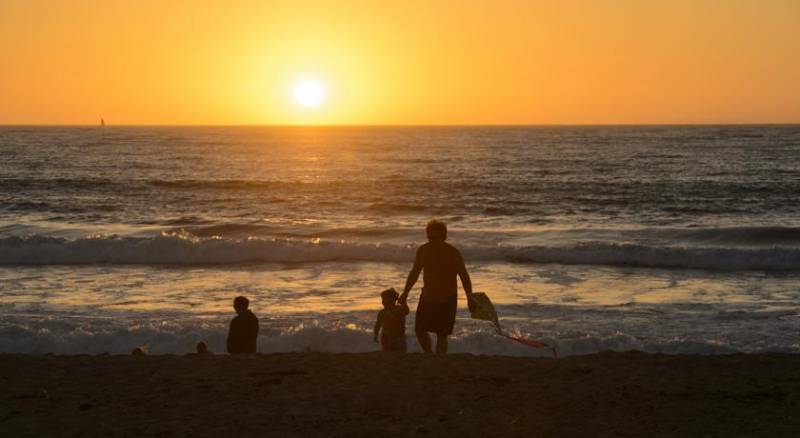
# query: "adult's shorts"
[436,317]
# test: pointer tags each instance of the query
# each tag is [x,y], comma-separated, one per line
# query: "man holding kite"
[440,264]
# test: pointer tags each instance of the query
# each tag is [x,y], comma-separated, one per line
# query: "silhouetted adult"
[244,329]
[440,263]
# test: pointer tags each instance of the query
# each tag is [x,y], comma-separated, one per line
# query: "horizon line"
[401,125]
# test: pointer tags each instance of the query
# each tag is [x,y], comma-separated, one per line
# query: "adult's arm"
[466,282]
[413,276]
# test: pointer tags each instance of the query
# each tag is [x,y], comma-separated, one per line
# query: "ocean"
[665,239]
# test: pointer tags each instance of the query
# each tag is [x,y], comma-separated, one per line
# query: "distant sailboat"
[102,122]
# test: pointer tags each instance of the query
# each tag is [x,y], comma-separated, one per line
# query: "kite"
[483,309]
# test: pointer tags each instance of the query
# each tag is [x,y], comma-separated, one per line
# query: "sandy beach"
[378,394]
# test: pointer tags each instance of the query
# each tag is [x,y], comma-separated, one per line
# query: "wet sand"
[376,394]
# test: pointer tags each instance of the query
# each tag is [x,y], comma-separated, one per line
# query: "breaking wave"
[185,249]
[96,336]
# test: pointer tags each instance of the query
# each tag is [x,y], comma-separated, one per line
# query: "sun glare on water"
[309,93]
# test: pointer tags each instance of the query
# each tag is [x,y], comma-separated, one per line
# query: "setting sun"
[309,93]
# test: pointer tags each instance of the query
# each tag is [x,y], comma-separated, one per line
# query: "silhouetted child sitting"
[202,348]
[391,323]
[243,334]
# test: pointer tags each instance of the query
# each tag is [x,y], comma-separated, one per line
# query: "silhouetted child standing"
[391,323]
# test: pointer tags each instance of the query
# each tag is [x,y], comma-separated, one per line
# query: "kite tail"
[529,342]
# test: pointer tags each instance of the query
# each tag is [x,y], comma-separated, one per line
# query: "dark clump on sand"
[377,394]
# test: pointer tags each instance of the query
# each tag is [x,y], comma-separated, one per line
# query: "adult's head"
[436,231]
[240,304]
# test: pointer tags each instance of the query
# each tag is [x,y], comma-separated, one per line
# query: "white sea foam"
[178,335]
[318,339]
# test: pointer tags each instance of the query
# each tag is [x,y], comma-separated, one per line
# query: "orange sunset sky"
[379,62]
